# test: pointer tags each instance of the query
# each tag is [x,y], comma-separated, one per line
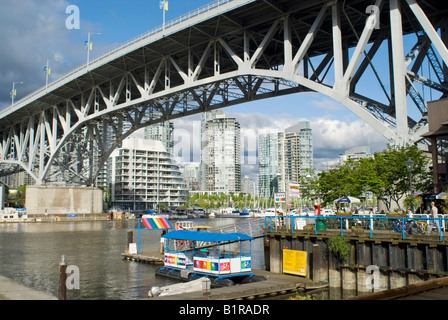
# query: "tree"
[391,169]
[385,175]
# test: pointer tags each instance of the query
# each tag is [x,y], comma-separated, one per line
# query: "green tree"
[391,169]
[386,176]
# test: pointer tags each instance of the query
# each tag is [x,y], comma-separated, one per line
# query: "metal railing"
[375,224]
[122,46]
[250,226]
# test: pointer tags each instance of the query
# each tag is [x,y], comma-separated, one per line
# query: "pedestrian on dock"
[162,242]
[434,213]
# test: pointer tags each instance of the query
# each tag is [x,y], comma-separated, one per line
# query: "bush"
[339,247]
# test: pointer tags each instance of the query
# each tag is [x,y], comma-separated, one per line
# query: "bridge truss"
[239,51]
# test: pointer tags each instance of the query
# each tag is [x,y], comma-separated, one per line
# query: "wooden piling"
[62,292]
[130,238]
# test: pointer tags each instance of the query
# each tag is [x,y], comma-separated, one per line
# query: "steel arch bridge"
[228,53]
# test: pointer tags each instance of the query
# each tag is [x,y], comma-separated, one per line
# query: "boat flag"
[156,223]
[47,70]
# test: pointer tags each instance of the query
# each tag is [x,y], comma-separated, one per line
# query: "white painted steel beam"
[399,72]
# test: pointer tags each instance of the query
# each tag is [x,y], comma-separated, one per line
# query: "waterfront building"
[191,176]
[220,167]
[144,175]
[248,186]
[355,154]
[295,156]
[162,131]
[284,158]
[267,165]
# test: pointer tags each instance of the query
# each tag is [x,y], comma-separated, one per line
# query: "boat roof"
[206,236]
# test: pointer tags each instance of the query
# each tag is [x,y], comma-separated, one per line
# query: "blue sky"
[35,31]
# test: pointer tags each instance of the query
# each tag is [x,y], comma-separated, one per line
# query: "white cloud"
[327,104]
[30,33]
[331,137]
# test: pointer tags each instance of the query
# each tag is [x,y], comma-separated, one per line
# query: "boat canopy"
[206,236]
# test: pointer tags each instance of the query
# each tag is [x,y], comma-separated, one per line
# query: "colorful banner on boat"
[175,261]
[222,266]
[211,265]
[155,223]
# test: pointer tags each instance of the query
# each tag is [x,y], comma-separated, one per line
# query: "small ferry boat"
[269,212]
[13,215]
[221,257]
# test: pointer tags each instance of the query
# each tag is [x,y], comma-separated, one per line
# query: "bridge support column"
[399,81]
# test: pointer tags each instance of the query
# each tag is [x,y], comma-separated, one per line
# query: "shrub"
[339,247]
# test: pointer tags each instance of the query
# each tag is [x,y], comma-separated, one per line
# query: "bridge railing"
[375,224]
[124,45]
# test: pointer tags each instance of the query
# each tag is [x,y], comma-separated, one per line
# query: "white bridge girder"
[70,140]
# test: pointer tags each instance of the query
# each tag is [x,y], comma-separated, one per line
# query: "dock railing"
[371,224]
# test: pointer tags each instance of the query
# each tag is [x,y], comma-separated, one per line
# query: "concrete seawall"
[13,290]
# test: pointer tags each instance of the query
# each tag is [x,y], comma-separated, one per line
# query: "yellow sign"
[294,262]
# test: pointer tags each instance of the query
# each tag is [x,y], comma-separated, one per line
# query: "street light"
[47,71]
[89,45]
[13,92]
[409,165]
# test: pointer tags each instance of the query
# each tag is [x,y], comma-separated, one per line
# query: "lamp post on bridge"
[163,5]
[47,70]
[89,46]
[13,91]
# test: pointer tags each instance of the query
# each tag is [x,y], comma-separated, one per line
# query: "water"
[31,252]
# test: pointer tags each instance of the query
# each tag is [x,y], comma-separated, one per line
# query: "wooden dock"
[275,284]
[146,257]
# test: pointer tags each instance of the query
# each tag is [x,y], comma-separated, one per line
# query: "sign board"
[133,248]
[295,262]
[300,223]
[294,190]
[280,197]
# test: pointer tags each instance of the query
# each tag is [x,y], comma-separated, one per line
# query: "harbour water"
[30,253]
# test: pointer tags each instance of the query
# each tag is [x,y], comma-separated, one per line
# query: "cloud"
[30,33]
[331,137]
[326,104]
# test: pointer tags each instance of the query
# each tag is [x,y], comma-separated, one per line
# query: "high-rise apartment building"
[191,176]
[145,175]
[220,167]
[267,165]
[295,154]
[162,131]
[284,158]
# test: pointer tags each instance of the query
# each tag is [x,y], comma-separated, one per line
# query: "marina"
[116,274]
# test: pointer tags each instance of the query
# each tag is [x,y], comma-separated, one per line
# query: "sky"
[34,31]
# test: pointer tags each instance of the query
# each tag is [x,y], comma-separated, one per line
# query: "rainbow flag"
[156,223]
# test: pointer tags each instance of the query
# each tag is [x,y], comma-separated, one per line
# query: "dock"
[145,257]
[275,284]
[13,290]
